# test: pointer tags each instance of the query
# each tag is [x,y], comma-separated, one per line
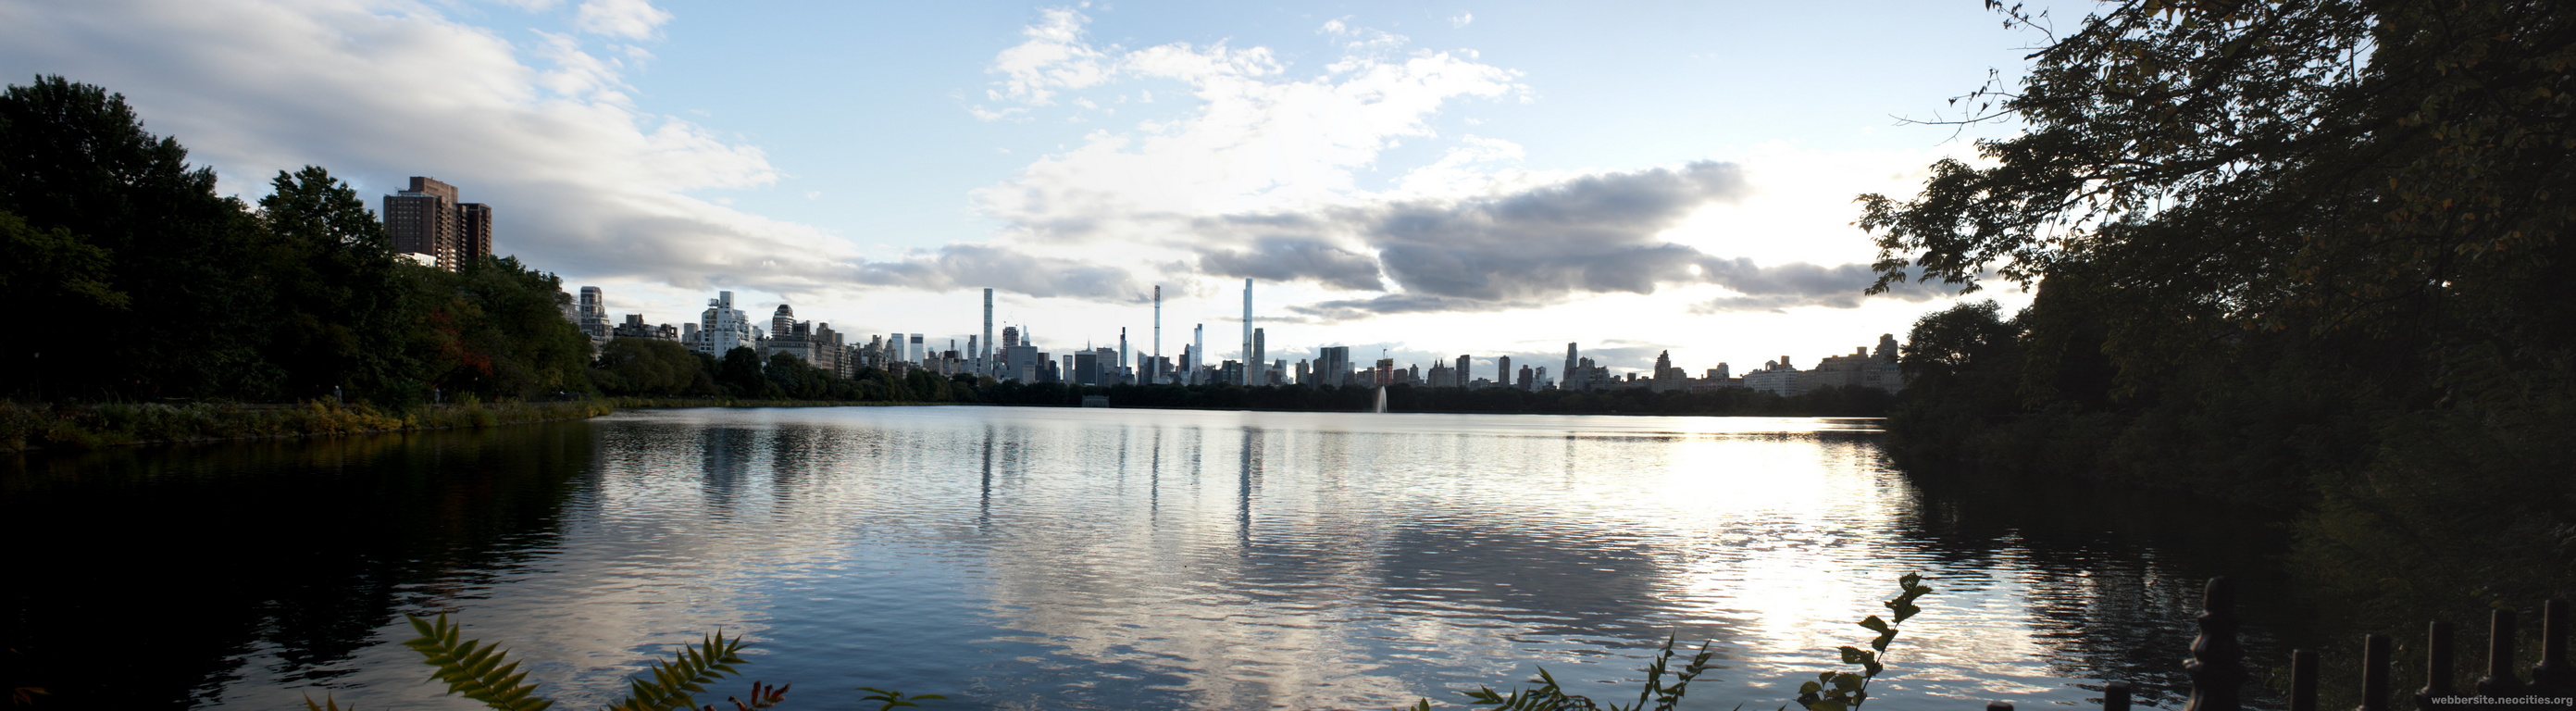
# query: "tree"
[77,166]
[649,366]
[740,374]
[2333,168]
[2311,251]
[340,311]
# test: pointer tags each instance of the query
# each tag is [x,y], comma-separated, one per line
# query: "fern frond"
[328,704]
[472,669]
[686,673]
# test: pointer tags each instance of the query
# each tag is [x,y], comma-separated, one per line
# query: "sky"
[1419,180]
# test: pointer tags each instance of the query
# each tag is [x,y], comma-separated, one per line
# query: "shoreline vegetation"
[26,427]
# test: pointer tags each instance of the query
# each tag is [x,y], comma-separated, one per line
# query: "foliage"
[476,672]
[650,366]
[25,426]
[1845,691]
[1834,691]
[687,673]
[2309,255]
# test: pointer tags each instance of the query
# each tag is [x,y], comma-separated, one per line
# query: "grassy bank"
[25,426]
[622,403]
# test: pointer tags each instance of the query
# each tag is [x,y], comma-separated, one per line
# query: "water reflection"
[1026,558]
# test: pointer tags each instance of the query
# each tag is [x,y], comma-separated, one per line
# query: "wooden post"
[2500,681]
[2374,673]
[2552,676]
[2437,666]
[2217,665]
[2115,696]
[2303,680]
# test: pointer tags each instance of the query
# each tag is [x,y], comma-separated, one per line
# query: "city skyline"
[723,326]
[1062,154]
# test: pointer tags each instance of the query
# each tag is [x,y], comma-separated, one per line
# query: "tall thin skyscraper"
[1503,370]
[1461,375]
[984,358]
[1567,374]
[1157,378]
[1122,353]
[1198,350]
[1257,360]
[1249,357]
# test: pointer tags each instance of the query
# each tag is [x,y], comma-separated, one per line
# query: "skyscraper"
[984,358]
[1248,355]
[593,314]
[1254,374]
[782,321]
[914,352]
[1503,371]
[1464,379]
[1568,372]
[427,219]
[1198,351]
[1158,332]
[1333,365]
[473,232]
[722,327]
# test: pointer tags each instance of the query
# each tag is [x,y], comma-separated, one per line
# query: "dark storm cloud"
[1406,303]
[961,266]
[1590,235]
[1277,258]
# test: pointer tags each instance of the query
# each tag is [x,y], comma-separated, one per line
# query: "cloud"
[630,19]
[1260,139]
[537,125]
[1279,259]
[1260,181]
[1544,245]
[1384,304]
[961,266]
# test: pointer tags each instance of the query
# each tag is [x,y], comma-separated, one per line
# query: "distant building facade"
[427,220]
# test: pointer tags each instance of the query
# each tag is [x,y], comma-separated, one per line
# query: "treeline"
[134,281]
[651,368]
[2312,255]
[1828,402]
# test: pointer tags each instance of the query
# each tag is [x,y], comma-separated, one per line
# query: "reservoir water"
[1090,558]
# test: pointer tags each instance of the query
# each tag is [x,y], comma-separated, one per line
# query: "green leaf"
[1850,682]
[472,669]
[1903,610]
[1874,624]
[1855,655]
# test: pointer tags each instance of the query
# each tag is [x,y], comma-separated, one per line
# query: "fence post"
[2303,680]
[2437,665]
[2552,676]
[2500,681]
[2217,665]
[2115,696]
[2374,673]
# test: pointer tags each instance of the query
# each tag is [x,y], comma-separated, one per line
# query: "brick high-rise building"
[426,219]
[473,231]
